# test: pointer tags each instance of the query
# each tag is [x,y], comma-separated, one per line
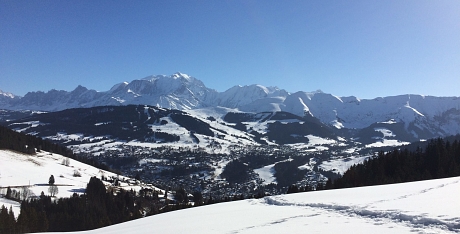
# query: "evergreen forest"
[439,159]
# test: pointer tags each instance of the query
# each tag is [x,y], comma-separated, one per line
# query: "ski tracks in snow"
[416,193]
[419,223]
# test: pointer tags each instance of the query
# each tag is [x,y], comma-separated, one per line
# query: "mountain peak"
[180,75]
[6,94]
[80,89]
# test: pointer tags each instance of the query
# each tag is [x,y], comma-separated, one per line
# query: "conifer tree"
[51,180]
[8,193]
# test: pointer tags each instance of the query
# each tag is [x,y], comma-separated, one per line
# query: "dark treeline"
[96,208]
[439,159]
[7,220]
[28,144]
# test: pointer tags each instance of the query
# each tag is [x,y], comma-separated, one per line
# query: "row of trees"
[96,208]
[28,144]
[7,220]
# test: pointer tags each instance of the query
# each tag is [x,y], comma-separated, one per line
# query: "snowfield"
[341,165]
[418,207]
[267,174]
[20,171]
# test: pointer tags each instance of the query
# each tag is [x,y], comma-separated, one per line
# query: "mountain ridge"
[183,92]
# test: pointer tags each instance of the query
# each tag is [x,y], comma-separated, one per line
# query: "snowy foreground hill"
[418,207]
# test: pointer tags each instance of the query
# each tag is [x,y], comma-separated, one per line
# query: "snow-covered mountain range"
[421,116]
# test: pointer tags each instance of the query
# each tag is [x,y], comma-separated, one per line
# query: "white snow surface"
[341,165]
[267,174]
[418,207]
[6,94]
[386,142]
[385,132]
[33,171]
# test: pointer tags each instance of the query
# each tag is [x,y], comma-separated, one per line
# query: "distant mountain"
[177,91]
[7,98]
[418,116]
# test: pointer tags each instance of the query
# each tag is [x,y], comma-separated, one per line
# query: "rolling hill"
[421,207]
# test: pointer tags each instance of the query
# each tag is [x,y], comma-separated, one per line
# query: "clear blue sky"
[362,48]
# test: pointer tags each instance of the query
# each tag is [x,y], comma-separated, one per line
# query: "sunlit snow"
[386,142]
[341,165]
[417,207]
[19,170]
[267,174]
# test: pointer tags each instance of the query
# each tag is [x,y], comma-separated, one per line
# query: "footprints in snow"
[379,216]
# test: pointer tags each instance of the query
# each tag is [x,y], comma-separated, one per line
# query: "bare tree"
[26,193]
[53,190]
[65,161]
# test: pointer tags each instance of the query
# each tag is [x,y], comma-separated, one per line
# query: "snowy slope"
[244,97]
[33,171]
[417,207]
[26,170]
[6,98]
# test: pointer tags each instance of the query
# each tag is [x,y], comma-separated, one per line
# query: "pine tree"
[7,221]
[8,193]
[3,219]
[11,221]
[51,180]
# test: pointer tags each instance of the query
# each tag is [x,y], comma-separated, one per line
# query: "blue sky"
[365,48]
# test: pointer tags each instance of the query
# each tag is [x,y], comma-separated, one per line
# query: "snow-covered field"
[20,171]
[417,207]
[341,165]
[267,174]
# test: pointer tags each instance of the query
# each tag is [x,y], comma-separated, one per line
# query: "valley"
[267,151]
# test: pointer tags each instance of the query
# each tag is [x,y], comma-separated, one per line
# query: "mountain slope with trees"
[439,159]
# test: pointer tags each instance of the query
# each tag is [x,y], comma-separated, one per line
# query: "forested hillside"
[29,144]
[439,159]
